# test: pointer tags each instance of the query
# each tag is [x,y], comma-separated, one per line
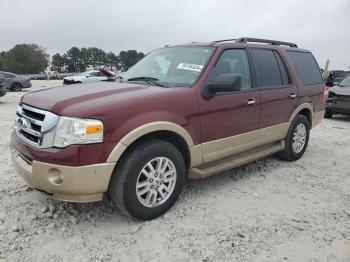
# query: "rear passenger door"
[278,93]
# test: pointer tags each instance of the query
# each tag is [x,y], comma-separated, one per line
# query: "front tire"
[148,179]
[296,140]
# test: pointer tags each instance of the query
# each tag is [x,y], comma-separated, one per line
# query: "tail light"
[324,95]
[1,77]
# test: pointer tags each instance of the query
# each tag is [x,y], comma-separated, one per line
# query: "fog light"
[55,176]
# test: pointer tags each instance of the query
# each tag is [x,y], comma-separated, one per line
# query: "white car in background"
[88,76]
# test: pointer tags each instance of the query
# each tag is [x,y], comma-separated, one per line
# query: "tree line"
[80,59]
[24,59]
[33,59]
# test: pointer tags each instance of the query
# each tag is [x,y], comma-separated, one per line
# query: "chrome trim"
[47,126]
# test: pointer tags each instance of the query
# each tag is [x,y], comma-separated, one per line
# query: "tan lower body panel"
[222,148]
[236,160]
[73,184]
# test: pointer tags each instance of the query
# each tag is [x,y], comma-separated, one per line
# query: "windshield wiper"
[149,80]
[340,85]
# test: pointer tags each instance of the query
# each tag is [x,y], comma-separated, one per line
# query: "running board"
[235,160]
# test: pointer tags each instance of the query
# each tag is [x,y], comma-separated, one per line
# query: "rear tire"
[296,140]
[328,113]
[16,87]
[148,179]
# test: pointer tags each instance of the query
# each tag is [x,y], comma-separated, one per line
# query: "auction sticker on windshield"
[192,67]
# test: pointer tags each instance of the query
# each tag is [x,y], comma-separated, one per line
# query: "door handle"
[250,101]
[292,96]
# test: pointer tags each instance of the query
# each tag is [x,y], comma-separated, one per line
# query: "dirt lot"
[269,210]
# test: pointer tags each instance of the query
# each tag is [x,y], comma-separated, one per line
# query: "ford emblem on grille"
[23,123]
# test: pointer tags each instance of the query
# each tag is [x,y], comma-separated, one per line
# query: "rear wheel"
[328,113]
[297,139]
[16,87]
[148,179]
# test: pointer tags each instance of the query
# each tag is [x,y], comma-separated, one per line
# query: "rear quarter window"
[306,67]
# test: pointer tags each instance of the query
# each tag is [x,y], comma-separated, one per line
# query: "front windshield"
[345,82]
[172,66]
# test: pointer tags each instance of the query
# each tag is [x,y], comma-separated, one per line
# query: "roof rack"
[258,40]
[224,40]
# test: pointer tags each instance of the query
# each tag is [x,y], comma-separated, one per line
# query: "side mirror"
[225,83]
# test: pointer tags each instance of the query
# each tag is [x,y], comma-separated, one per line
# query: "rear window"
[267,68]
[306,67]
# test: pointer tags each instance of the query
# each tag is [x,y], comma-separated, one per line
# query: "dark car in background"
[339,99]
[15,82]
[3,89]
[335,76]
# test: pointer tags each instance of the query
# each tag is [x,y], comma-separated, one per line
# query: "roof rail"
[223,40]
[258,40]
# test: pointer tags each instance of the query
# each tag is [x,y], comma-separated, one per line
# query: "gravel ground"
[269,210]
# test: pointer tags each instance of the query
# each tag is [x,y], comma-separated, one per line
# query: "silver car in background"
[3,89]
[15,82]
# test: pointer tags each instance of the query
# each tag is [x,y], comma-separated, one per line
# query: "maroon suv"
[186,111]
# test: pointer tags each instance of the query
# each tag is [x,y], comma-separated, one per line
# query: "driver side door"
[226,117]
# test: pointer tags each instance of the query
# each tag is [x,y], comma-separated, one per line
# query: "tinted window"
[100,74]
[283,70]
[7,75]
[267,69]
[234,61]
[306,67]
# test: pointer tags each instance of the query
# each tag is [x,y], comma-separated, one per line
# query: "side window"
[267,68]
[234,61]
[100,74]
[283,70]
[7,75]
[306,67]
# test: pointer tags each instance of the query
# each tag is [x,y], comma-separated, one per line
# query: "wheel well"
[16,83]
[307,113]
[169,136]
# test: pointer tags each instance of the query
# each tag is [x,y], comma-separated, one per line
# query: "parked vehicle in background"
[187,111]
[335,76]
[88,76]
[339,99]
[15,82]
[3,89]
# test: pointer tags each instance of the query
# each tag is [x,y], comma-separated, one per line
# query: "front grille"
[34,126]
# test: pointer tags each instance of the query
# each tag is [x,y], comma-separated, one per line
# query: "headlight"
[71,131]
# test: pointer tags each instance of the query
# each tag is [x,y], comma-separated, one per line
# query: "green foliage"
[78,60]
[32,59]
[57,63]
[24,59]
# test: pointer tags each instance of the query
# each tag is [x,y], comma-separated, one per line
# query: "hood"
[342,91]
[89,99]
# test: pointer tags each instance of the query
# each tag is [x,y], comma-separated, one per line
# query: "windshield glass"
[345,82]
[172,66]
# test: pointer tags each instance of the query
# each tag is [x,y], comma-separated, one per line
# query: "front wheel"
[148,179]
[297,139]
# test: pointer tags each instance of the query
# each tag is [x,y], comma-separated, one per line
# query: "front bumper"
[27,84]
[67,183]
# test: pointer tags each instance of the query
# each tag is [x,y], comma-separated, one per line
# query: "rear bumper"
[338,109]
[67,183]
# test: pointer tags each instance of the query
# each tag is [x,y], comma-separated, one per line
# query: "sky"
[114,25]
